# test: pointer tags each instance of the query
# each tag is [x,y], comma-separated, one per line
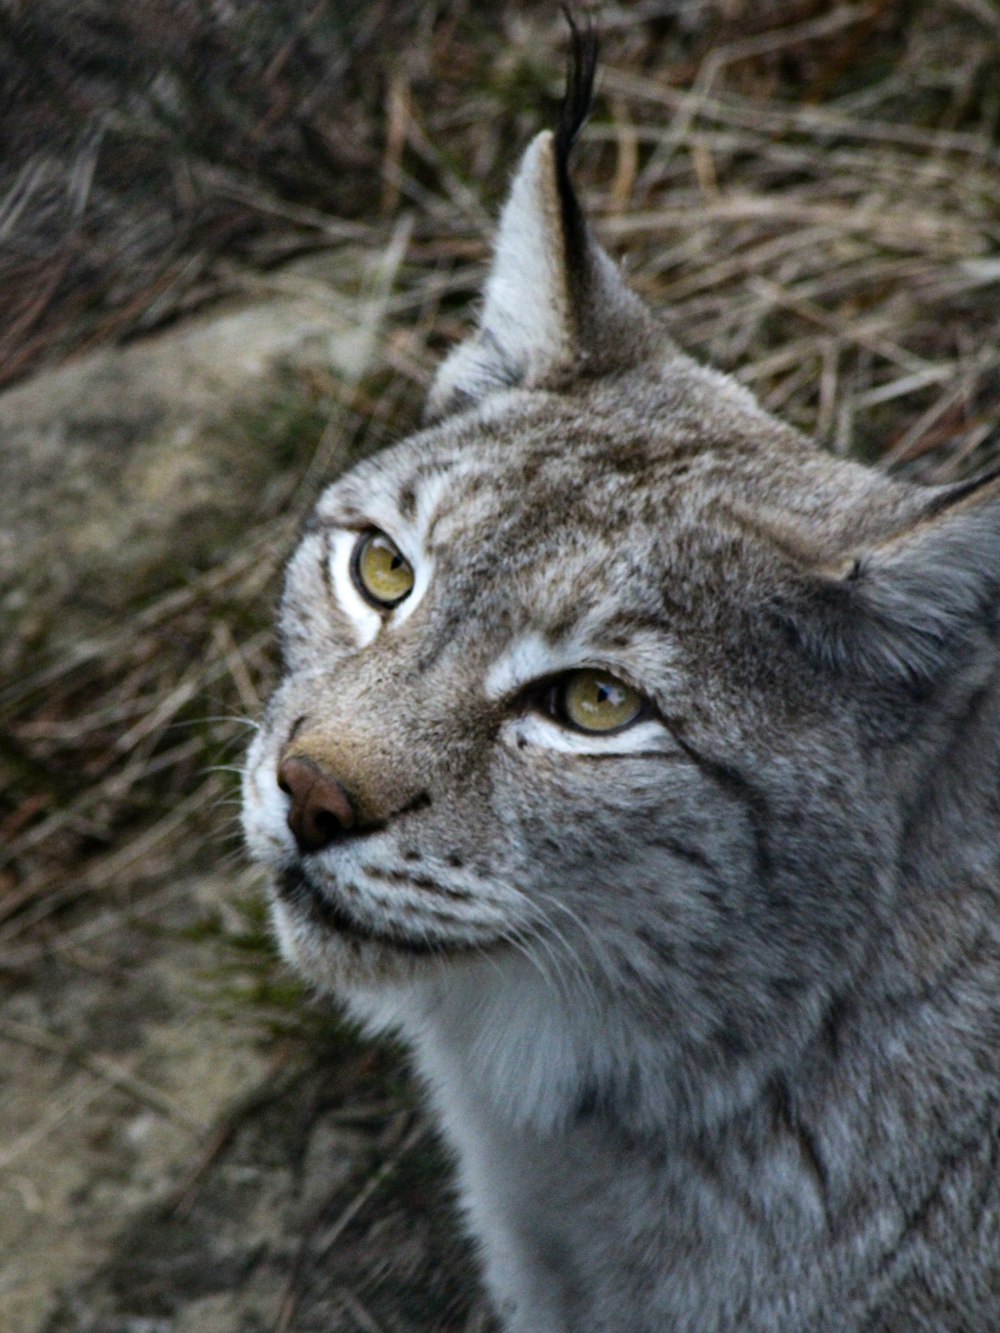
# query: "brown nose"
[321,810]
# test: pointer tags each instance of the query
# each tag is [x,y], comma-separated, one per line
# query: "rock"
[126,469]
[122,473]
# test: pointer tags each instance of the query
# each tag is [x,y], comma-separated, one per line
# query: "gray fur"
[709,1009]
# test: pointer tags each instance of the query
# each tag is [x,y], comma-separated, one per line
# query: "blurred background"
[235,238]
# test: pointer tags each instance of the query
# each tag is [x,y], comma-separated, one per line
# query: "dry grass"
[811,193]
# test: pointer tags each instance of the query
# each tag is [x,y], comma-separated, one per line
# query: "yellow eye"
[597,701]
[382,575]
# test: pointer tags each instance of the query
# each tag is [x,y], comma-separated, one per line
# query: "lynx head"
[605,698]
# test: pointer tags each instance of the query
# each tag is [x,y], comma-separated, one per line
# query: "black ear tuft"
[961,490]
[581,66]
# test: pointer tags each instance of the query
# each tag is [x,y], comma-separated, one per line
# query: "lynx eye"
[382,575]
[596,701]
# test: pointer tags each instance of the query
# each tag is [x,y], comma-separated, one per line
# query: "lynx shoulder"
[639,764]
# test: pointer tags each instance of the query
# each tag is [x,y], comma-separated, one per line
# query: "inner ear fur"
[916,605]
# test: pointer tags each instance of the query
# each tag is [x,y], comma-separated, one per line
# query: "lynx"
[638,763]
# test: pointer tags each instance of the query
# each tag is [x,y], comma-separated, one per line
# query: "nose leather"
[320,810]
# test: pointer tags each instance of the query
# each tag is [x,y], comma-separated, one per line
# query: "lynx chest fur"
[638,763]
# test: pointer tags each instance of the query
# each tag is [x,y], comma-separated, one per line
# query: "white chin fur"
[335,963]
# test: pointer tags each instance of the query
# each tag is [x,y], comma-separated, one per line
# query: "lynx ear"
[919,604]
[526,325]
[553,299]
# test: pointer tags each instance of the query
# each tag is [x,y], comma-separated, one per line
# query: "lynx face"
[605,693]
